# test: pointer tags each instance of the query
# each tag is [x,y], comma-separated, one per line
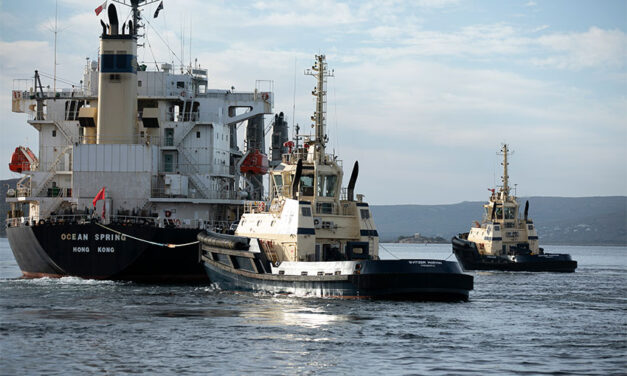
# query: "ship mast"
[135,4]
[321,71]
[505,178]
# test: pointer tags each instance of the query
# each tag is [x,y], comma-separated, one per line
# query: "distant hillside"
[559,220]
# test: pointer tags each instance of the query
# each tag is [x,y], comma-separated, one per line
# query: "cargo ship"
[133,163]
[505,240]
[317,239]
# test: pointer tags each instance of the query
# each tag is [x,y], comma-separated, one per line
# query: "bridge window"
[510,213]
[278,183]
[326,185]
[307,185]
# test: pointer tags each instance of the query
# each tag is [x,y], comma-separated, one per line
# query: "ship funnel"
[113,19]
[297,175]
[117,85]
[351,183]
[526,210]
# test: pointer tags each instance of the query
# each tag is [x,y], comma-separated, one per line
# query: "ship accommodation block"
[186,136]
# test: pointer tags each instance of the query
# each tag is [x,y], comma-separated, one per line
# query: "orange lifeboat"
[22,159]
[255,163]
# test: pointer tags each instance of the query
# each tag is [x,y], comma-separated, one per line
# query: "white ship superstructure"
[172,151]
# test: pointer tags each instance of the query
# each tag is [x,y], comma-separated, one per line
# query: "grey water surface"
[514,323]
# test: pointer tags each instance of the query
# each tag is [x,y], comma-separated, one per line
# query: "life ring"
[262,206]
[168,213]
[177,222]
[265,96]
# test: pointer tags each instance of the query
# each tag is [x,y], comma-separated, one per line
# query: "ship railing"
[140,138]
[161,192]
[182,116]
[251,207]
[18,221]
[82,218]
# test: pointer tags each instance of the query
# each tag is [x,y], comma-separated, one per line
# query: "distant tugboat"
[504,241]
[316,240]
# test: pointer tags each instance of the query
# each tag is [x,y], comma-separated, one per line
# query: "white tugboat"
[132,165]
[315,239]
[504,240]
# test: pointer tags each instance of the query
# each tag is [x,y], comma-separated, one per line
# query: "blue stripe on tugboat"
[533,238]
[493,239]
[362,204]
[306,231]
[368,233]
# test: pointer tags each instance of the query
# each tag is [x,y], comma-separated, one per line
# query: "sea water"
[514,323]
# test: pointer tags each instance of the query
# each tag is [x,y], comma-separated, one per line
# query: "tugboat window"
[326,185]
[306,185]
[510,213]
[278,183]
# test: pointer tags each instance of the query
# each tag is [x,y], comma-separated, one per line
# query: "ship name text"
[101,237]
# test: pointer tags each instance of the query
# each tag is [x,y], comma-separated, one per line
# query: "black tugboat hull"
[470,259]
[92,252]
[380,279]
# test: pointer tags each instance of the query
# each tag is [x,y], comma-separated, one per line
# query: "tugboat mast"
[505,178]
[321,71]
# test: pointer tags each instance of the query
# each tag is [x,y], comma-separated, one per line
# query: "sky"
[424,93]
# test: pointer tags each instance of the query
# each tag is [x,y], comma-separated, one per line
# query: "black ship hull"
[91,251]
[470,259]
[243,270]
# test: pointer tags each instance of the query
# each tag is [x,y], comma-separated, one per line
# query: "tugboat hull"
[243,270]
[470,259]
[92,252]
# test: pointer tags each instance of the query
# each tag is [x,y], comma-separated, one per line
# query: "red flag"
[99,196]
[100,8]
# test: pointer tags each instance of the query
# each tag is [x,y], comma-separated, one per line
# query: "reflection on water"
[71,326]
[285,313]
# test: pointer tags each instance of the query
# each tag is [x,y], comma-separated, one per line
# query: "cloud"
[421,107]
[593,48]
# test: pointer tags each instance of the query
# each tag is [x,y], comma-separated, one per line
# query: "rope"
[388,251]
[148,241]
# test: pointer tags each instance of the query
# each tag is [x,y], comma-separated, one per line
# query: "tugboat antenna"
[321,71]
